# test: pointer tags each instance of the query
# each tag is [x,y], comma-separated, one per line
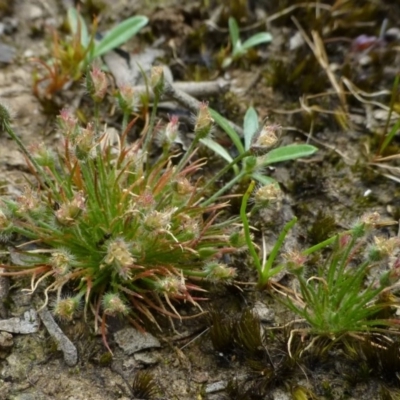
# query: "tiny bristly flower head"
[85,142]
[66,308]
[267,194]
[219,272]
[266,139]
[119,256]
[69,211]
[170,134]
[28,202]
[114,305]
[204,122]
[157,220]
[60,261]
[157,79]
[68,123]
[172,286]
[382,248]
[96,84]
[189,226]
[295,261]
[182,186]
[43,155]
[366,223]
[126,98]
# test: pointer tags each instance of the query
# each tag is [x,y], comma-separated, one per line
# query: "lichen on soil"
[214,356]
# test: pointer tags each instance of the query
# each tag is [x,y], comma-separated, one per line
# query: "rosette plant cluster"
[121,234]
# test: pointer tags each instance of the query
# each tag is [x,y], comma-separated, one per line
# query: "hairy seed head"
[266,139]
[114,305]
[219,271]
[204,121]
[66,308]
[96,84]
[69,211]
[157,79]
[267,194]
[61,260]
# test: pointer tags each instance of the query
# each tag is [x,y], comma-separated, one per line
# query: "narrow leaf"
[120,34]
[234,32]
[265,180]
[259,38]
[390,136]
[250,126]
[290,152]
[217,148]
[78,25]
[224,124]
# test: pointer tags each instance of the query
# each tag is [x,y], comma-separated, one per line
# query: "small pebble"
[131,340]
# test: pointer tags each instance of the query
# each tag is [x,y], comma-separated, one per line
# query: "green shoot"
[240,49]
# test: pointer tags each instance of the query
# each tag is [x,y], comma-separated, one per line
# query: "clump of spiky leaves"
[127,236]
[349,294]
[144,386]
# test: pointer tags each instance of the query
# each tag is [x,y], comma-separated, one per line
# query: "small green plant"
[342,297]
[388,135]
[126,236]
[263,197]
[240,49]
[257,152]
[72,57]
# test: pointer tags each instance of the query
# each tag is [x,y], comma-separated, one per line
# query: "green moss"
[322,228]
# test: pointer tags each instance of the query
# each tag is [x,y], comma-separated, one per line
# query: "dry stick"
[194,89]
[66,346]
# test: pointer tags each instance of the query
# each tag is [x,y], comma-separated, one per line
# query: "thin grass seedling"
[264,265]
[239,48]
[387,135]
[339,299]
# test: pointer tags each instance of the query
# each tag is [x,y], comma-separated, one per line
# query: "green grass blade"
[390,136]
[77,24]
[234,32]
[265,180]
[120,34]
[218,149]
[392,132]
[224,124]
